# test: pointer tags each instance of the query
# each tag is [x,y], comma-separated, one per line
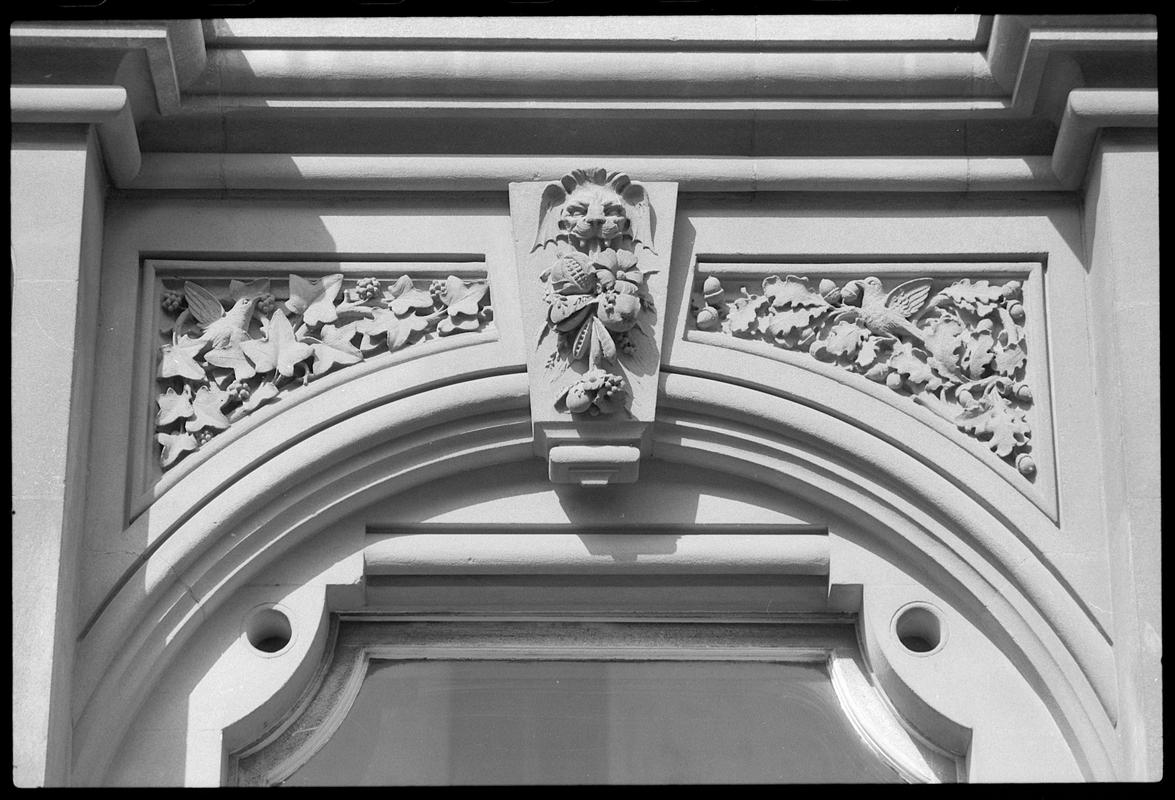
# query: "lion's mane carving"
[590,209]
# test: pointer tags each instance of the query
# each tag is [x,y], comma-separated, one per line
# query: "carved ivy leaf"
[258,397]
[179,360]
[1009,359]
[977,354]
[232,357]
[412,301]
[447,327]
[792,292]
[908,363]
[397,332]
[844,338]
[239,290]
[206,410]
[993,420]
[314,298]
[174,446]
[280,350]
[744,317]
[335,348]
[174,406]
[401,285]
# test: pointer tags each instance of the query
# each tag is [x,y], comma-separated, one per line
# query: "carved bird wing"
[909,297]
[203,304]
[640,213]
[553,198]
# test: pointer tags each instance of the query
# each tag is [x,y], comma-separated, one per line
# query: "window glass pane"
[520,722]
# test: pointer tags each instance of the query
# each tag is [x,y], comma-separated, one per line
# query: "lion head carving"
[593,209]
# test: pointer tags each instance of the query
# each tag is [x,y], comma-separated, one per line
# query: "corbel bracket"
[593,258]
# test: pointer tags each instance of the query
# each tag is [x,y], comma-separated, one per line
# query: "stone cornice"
[221,85]
[103,106]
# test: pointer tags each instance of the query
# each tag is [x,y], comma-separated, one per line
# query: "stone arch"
[283,495]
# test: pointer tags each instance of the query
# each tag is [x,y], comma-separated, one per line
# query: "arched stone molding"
[280,496]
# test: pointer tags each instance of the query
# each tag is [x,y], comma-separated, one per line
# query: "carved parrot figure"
[222,328]
[887,315]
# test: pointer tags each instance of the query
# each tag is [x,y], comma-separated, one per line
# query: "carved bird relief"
[222,328]
[886,315]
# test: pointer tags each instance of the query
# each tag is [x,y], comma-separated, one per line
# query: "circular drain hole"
[269,630]
[920,629]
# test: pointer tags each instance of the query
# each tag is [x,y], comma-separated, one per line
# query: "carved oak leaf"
[979,297]
[314,298]
[744,317]
[335,348]
[943,341]
[239,290]
[280,349]
[844,338]
[870,350]
[174,446]
[788,320]
[994,421]
[908,363]
[180,360]
[1009,359]
[977,354]
[206,410]
[791,292]
[174,406]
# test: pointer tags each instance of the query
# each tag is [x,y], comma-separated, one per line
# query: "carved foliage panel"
[228,341]
[955,340]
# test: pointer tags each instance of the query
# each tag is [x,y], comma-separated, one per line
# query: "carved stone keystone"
[593,255]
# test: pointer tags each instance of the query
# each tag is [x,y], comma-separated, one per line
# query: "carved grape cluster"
[223,363]
[959,351]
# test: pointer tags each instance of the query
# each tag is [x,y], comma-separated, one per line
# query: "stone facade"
[843,322]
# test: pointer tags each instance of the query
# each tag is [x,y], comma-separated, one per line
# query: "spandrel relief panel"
[224,340]
[963,342]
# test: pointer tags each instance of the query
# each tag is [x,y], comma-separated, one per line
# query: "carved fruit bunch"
[957,348]
[221,363]
[594,305]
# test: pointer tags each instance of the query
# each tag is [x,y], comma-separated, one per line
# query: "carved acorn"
[830,292]
[1026,465]
[712,290]
[619,311]
[573,274]
[708,319]
[1016,310]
